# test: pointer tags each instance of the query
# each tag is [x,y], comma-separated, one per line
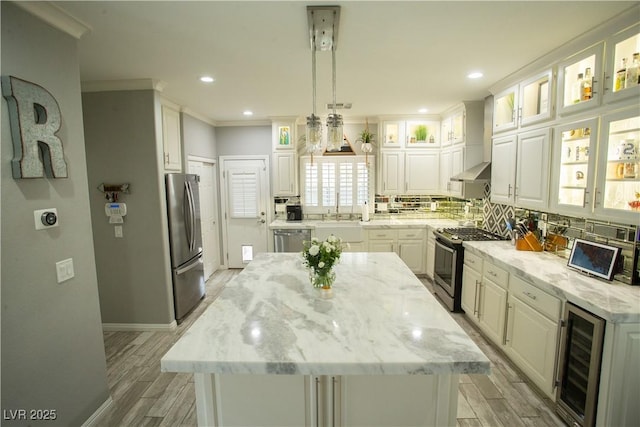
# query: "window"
[336,179]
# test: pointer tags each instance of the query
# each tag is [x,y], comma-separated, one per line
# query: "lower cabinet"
[532,336]
[518,317]
[331,400]
[410,245]
[431,254]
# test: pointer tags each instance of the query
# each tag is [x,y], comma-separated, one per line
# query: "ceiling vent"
[339,106]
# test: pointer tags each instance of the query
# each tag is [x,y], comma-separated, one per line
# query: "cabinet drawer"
[538,299]
[411,233]
[472,260]
[382,234]
[497,275]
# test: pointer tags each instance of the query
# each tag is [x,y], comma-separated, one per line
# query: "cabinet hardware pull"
[509,191]
[530,295]
[317,402]
[584,199]
[492,273]
[333,401]
[559,342]
[505,330]
[475,300]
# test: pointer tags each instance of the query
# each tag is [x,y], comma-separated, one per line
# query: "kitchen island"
[270,350]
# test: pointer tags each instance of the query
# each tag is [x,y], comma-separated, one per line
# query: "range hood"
[479,173]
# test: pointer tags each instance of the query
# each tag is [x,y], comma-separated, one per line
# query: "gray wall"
[52,346]
[134,275]
[198,138]
[243,140]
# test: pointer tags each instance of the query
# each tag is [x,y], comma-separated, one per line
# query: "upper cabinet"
[579,81]
[526,103]
[453,127]
[410,134]
[622,77]
[284,170]
[171,138]
[618,178]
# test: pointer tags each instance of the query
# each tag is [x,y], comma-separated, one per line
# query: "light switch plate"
[64,270]
[118,231]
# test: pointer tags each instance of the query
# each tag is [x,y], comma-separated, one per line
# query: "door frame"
[216,197]
[223,199]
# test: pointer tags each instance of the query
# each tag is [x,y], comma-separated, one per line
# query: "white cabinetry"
[621,46]
[532,333]
[571,99]
[285,174]
[471,279]
[410,244]
[404,172]
[526,184]
[171,138]
[462,139]
[492,301]
[431,253]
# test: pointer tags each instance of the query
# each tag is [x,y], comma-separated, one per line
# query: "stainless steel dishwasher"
[290,240]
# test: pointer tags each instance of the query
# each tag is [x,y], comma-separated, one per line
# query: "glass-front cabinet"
[618,181]
[579,83]
[504,109]
[622,74]
[574,155]
[536,100]
[422,134]
[392,134]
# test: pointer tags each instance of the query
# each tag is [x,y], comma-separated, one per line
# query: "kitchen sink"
[348,231]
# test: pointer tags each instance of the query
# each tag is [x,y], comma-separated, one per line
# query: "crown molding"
[199,116]
[55,16]
[115,85]
[244,123]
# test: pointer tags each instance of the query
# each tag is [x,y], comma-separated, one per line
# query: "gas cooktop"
[468,234]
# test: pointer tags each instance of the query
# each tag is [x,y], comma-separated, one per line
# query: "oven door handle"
[446,248]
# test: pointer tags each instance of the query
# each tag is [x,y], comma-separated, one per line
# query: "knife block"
[528,243]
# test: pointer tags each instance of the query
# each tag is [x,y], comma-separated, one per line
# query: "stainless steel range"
[449,258]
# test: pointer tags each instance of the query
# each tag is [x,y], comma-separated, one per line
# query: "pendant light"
[323,32]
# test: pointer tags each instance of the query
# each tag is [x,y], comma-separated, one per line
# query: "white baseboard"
[93,419]
[154,327]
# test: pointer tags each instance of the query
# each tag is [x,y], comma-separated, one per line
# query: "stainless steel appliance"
[449,257]
[286,240]
[579,366]
[185,238]
[294,213]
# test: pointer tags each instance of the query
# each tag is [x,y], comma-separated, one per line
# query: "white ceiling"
[392,57]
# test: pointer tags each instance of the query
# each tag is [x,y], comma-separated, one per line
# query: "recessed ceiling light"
[206,79]
[422,110]
[475,75]
[247,113]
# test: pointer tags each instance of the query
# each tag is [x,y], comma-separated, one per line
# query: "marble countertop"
[374,223]
[613,301]
[380,320]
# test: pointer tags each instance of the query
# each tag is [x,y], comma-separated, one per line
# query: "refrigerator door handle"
[188,214]
[189,266]
[193,217]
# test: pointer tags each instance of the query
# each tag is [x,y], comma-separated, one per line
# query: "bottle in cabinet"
[633,72]
[586,86]
[621,76]
[577,89]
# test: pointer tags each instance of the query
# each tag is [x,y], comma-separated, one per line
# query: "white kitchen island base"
[306,400]
[271,351]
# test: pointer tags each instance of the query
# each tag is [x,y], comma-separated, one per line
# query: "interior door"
[208,213]
[246,191]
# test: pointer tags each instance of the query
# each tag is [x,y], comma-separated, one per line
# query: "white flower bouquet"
[320,257]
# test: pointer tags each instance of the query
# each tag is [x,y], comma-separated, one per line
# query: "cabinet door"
[431,253]
[622,46]
[392,172]
[571,75]
[421,172]
[457,128]
[445,171]
[504,110]
[503,169]
[392,134]
[618,181]
[532,169]
[532,344]
[536,100]
[457,166]
[492,307]
[469,299]
[573,169]
[412,252]
[284,174]
[446,134]
[171,139]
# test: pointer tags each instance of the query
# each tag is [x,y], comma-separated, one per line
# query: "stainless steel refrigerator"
[185,238]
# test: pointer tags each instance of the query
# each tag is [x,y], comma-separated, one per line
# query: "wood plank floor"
[144,396]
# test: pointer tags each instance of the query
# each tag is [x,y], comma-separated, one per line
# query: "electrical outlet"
[543,217]
[64,270]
